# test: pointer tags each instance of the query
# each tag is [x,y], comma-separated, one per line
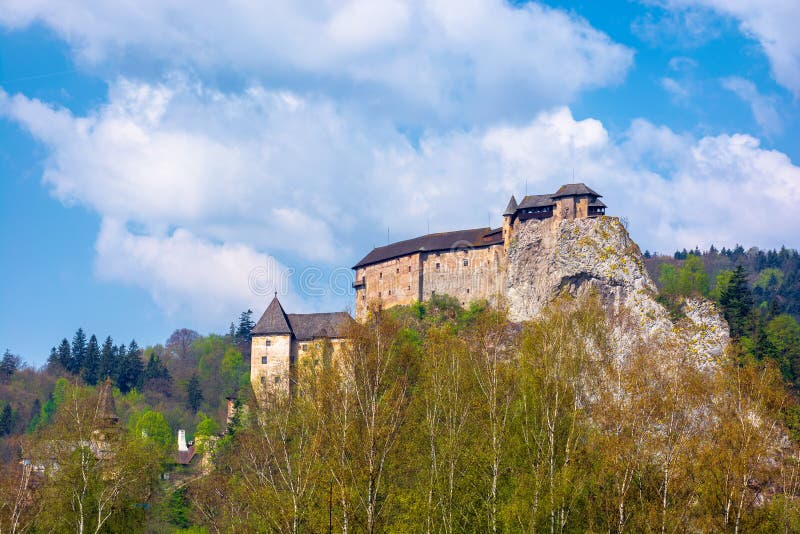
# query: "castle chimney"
[182,441]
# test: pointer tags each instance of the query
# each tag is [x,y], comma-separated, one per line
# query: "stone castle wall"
[274,372]
[282,356]
[465,273]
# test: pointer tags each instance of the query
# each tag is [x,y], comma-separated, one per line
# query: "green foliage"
[737,303]
[194,395]
[722,281]
[152,426]
[769,279]
[207,426]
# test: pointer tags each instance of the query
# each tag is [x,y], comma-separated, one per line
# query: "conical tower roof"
[511,209]
[274,320]
[106,409]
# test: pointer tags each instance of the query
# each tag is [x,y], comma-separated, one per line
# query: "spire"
[274,320]
[511,209]
[106,409]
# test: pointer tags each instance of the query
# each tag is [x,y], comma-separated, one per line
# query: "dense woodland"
[438,418]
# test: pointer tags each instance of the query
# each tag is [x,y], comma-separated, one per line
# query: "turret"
[508,221]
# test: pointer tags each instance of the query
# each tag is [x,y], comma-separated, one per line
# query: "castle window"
[409,288]
[409,268]
[303,347]
[380,275]
[398,269]
[466,263]
[390,291]
[264,360]
[437,265]
[277,380]
[269,342]
[379,293]
[263,379]
[467,290]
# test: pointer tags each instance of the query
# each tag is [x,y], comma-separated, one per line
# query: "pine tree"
[9,365]
[78,351]
[53,361]
[91,363]
[34,417]
[64,355]
[107,360]
[194,395]
[6,420]
[737,303]
[131,368]
[232,331]
[246,326]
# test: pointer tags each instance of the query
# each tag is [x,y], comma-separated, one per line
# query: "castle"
[280,340]
[465,264]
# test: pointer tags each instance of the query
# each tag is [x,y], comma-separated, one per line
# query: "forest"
[436,418]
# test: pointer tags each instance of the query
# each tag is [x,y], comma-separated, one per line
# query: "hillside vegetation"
[437,418]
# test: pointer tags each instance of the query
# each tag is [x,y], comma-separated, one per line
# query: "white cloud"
[762,106]
[190,277]
[773,23]
[215,183]
[454,61]
[677,91]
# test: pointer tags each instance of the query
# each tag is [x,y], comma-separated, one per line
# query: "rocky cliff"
[547,258]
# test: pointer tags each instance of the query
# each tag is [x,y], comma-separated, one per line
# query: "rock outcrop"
[583,255]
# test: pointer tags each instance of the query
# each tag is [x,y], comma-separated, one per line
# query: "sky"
[169,164]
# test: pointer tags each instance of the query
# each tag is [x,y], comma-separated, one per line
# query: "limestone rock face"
[547,258]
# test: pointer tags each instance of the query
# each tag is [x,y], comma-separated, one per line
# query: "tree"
[107,367]
[152,426]
[95,475]
[246,326]
[7,420]
[9,365]
[783,335]
[668,279]
[157,377]
[194,395]
[737,303]
[65,356]
[91,363]
[79,349]
[180,342]
[131,368]
[692,277]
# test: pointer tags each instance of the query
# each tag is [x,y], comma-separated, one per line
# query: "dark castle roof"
[569,190]
[303,326]
[273,321]
[536,201]
[511,209]
[476,237]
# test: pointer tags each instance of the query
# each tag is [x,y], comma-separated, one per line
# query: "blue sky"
[164,166]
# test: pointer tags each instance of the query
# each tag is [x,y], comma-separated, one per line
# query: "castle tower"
[271,351]
[508,221]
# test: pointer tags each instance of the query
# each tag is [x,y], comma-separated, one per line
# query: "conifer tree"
[6,420]
[53,362]
[107,360]
[194,395]
[131,369]
[65,355]
[737,303]
[91,363]
[78,351]
[9,365]
[246,326]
